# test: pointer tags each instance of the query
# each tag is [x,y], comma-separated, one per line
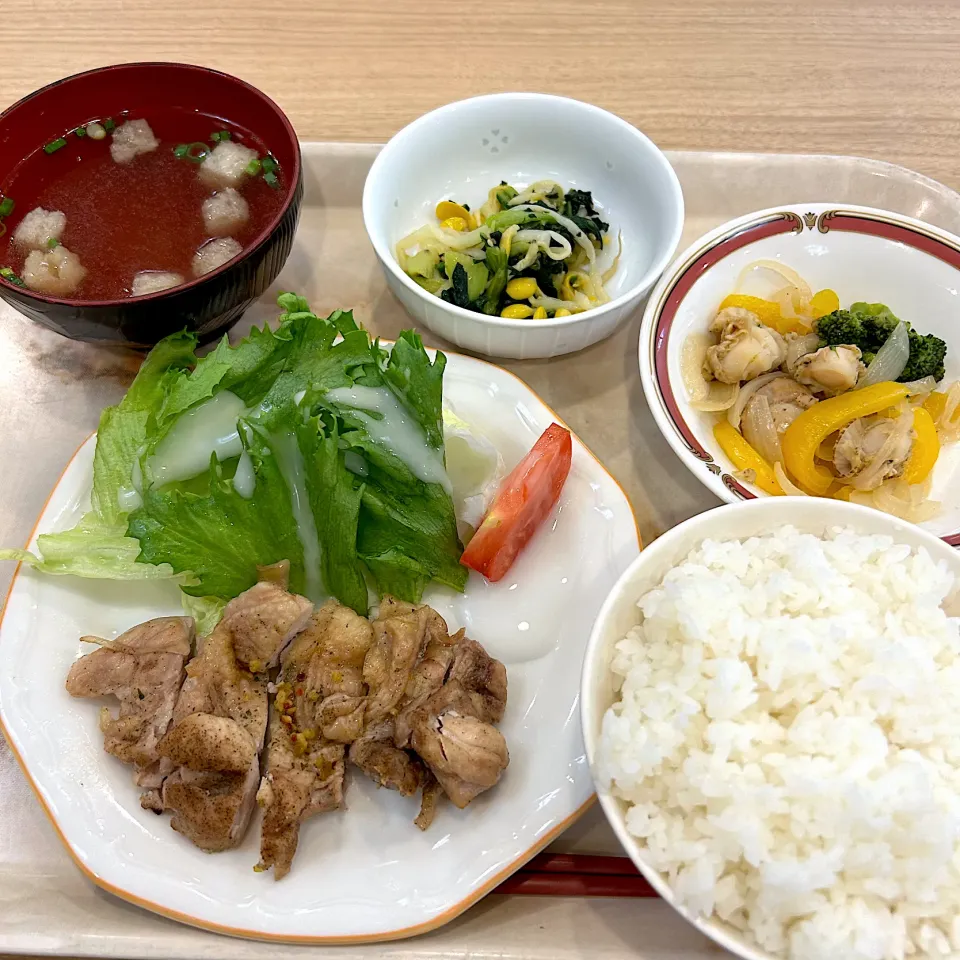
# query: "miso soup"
[135,204]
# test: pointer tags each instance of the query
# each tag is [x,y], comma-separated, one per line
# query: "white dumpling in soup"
[225,213]
[226,164]
[56,272]
[39,228]
[131,139]
[153,281]
[214,254]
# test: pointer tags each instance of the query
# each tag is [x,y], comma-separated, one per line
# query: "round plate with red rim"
[860,252]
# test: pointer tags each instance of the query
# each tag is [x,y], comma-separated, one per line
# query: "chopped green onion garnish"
[53,243]
[271,178]
[220,136]
[181,150]
[55,145]
[81,131]
[11,277]
[253,167]
[196,152]
[108,124]
[269,164]
[6,206]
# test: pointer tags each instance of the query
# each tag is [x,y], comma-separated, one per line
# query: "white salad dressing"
[396,430]
[290,461]
[129,498]
[245,480]
[208,428]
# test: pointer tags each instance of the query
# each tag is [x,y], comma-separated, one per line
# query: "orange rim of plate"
[451,913]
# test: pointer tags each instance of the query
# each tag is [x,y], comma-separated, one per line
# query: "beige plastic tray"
[51,393]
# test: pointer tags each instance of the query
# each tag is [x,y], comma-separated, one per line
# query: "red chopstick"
[577,875]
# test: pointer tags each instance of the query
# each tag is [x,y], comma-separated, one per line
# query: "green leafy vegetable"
[868,325]
[418,383]
[222,537]
[335,495]
[459,293]
[207,611]
[291,495]
[91,549]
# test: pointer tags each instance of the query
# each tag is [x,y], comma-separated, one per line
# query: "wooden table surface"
[878,78]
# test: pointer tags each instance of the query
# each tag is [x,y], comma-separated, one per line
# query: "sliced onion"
[798,290]
[891,358]
[794,307]
[760,430]
[692,354]
[948,426]
[555,245]
[907,502]
[921,387]
[747,390]
[786,484]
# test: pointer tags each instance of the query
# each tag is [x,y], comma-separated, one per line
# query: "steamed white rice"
[788,743]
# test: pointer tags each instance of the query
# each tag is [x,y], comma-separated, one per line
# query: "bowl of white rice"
[771,709]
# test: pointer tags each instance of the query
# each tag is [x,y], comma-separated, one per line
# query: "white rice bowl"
[783,748]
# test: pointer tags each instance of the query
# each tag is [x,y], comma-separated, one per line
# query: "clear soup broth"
[123,218]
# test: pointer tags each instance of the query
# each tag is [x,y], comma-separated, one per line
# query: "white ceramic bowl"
[861,253]
[461,150]
[619,613]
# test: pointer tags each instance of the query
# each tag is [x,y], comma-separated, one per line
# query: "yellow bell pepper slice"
[768,313]
[926,448]
[935,404]
[744,457]
[803,437]
[824,302]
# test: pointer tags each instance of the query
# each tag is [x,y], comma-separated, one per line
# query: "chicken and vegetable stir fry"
[822,401]
[411,706]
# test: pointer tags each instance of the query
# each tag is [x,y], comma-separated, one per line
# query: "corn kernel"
[447,209]
[256,666]
[454,223]
[517,311]
[521,288]
[540,313]
[562,312]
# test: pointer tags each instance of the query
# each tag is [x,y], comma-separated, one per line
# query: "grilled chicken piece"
[408,660]
[263,620]
[453,730]
[378,756]
[434,700]
[221,718]
[319,708]
[144,669]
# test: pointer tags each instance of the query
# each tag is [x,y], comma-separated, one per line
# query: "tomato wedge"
[524,500]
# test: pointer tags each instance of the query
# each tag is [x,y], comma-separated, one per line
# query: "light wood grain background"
[822,76]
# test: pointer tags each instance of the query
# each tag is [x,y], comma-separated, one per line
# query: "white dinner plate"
[364,873]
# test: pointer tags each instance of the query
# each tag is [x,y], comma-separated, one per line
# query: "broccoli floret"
[927,354]
[868,325]
[842,327]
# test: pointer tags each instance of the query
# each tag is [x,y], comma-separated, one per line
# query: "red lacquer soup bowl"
[149,214]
